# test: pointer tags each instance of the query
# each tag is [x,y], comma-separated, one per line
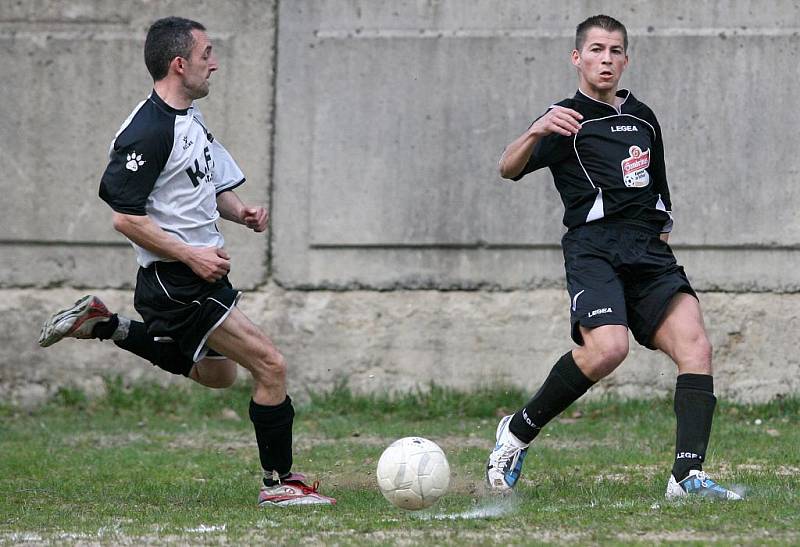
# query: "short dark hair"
[168,38]
[609,24]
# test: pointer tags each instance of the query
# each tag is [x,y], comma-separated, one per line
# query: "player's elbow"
[506,172]
[121,222]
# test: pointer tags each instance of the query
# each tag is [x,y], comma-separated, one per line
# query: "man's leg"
[214,372]
[604,348]
[271,409]
[89,318]
[682,336]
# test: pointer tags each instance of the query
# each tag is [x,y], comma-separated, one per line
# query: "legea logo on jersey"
[134,161]
[634,168]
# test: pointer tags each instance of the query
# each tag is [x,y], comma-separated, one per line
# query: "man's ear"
[178,64]
[576,57]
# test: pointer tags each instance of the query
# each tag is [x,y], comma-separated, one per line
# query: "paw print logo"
[134,161]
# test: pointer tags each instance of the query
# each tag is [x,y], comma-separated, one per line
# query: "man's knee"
[270,365]
[215,373]
[226,376]
[602,352]
[693,353]
[704,348]
[610,353]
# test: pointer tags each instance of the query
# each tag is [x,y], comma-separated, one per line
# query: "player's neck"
[172,94]
[608,96]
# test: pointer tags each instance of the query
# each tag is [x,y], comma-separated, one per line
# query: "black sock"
[565,384]
[694,411]
[273,425]
[165,355]
[106,329]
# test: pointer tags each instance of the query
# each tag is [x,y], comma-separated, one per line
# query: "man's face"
[199,66]
[601,61]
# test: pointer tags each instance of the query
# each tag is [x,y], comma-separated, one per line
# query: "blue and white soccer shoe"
[505,461]
[698,484]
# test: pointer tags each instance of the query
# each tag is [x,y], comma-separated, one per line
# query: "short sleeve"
[227,174]
[550,149]
[135,162]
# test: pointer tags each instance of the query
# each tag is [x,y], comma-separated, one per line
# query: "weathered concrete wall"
[402,339]
[373,128]
[73,72]
[392,143]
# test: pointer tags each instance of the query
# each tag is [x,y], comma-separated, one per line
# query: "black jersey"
[613,168]
[164,163]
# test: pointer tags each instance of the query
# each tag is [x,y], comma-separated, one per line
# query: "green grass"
[153,465]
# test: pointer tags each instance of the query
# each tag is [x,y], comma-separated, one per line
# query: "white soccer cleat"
[698,483]
[76,321]
[505,461]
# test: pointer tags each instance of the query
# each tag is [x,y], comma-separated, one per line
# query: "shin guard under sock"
[694,411]
[273,425]
[565,385]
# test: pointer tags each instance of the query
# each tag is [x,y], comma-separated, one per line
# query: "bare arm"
[231,208]
[558,119]
[210,263]
[664,237]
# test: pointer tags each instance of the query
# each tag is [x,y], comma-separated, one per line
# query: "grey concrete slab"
[391,120]
[77,73]
[113,265]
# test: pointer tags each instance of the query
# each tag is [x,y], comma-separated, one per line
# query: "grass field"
[154,466]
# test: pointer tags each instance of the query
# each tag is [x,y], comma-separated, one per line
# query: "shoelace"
[506,455]
[304,488]
[703,478]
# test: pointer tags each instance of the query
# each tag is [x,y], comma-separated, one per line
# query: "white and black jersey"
[164,163]
[613,168]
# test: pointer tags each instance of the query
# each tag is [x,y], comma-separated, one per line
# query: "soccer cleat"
[699,484]
[76,321]
[505,461]
[293,491]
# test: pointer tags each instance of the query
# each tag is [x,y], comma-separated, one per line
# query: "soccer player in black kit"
[168,181]
[606,153]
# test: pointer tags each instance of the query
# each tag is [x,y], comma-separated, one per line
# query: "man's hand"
[209,263]
[255,218]
[558,119]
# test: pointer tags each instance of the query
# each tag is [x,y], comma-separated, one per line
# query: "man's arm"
[209,263]
[559,120]
[231,208]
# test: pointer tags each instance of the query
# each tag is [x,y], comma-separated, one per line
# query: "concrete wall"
[373,128]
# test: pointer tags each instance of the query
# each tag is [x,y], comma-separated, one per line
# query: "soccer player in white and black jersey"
[168,181]
[606,153]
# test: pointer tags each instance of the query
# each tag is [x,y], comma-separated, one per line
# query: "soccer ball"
[413,473]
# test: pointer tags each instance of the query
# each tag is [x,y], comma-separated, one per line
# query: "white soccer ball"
[413,473]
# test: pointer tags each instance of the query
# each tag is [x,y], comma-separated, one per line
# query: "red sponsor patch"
[634,168]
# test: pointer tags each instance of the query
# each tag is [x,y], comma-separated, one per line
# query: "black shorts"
[178,305]
[620,274]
